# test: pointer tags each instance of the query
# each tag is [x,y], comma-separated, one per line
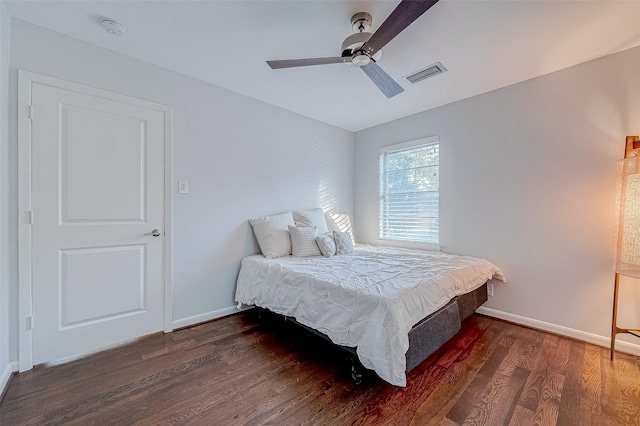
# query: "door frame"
[26,79]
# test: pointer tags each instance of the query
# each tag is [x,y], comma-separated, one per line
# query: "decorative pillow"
[303,241]
[272,233]
[344,243]
[314,217]
[327,245]
[339,222]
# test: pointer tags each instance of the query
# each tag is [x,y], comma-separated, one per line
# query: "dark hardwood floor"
[240,370]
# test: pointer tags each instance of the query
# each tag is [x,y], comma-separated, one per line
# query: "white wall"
[527,178]
[242,158]
[5,43]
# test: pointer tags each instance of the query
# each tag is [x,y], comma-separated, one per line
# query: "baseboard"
[208,316]
[12,367]
[596,339]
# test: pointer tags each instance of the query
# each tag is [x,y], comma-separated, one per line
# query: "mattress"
[368,299]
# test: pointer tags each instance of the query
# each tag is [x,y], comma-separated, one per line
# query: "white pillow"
[314,217]
[344,243]
[303,241]
[327,245]
[339,222]
[272,233]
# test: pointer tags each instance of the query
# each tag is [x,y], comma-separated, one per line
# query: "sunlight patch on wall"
[341,221]
[327,195]
[322,155]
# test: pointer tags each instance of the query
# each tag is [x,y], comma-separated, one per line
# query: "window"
[409,183]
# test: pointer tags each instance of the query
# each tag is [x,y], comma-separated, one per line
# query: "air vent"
[427,72]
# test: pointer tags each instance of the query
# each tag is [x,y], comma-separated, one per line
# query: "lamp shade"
[628,217]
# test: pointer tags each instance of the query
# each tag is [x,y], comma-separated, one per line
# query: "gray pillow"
[327,245]
[303,241]
[344,243]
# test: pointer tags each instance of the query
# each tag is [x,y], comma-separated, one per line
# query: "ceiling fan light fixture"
[360,60]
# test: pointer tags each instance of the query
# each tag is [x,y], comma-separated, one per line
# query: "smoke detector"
[114,28]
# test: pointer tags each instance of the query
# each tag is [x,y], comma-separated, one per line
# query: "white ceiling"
[484,44]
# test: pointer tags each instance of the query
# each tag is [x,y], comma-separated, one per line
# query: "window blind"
[409,191]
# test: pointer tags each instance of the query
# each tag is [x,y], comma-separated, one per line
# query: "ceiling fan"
[363,48]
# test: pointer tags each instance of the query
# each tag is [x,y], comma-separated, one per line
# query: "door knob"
[155,233]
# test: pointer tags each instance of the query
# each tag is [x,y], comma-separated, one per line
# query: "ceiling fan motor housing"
[351,44]
[354,42]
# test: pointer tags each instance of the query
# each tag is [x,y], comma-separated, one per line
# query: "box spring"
[433,331]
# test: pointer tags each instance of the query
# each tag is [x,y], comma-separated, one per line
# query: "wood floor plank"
[448,422]
[432,409]
[462,344]
[280,401]
[612,408]
[485,404]
[628,375]
[508,401]
[531,341]
[504,390]
[592,381]
[549,405]
[570,410]
[464,405]
[398,398]
[532,393]
[314,404]
[343,413]
[521,417]
[559,358]
[240,370]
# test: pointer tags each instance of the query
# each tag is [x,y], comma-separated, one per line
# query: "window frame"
[401,147]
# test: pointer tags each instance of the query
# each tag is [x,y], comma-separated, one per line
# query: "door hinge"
[29,323]
[30,112]
[29,217]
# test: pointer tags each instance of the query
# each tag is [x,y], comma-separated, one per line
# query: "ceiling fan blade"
[401,17]
[290,63]
[385,83]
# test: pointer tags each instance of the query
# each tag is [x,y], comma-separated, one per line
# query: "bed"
[393,306]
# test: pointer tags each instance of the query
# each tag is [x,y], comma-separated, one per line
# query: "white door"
[97,192]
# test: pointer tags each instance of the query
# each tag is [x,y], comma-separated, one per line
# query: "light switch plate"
[183,187]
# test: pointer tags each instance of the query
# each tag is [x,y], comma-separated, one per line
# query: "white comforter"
[370,298]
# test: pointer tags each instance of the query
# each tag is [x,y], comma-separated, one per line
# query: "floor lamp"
[627,227]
